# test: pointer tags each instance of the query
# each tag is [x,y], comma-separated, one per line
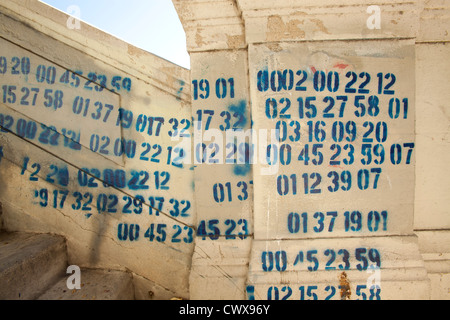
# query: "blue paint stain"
[251,292]
[63,176]
[241,169]
[263,79]
[239,111]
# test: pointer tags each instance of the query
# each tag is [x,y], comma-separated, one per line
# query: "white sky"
[152,25]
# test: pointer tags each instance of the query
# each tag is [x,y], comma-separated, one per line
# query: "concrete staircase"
[33,267]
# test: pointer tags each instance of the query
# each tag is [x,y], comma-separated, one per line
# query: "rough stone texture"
[431,215]
[30,264]
[434,247]
[211,25]
[1,218]
[222,260]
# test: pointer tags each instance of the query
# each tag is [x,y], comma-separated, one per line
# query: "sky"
[152,25]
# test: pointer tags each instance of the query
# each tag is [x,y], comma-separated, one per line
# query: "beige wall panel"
[432,126]
[329,168]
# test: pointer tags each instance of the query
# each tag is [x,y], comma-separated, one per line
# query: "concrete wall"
[432,219]
[218,220]
[91,147]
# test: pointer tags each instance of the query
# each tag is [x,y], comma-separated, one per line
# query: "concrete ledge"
[30,264]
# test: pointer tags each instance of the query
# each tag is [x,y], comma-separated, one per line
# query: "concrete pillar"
[221,145]
[90,147]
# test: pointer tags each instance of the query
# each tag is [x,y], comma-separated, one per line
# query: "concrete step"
[95,285]
[30,264]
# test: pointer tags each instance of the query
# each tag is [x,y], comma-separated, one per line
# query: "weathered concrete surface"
[30,264]
[1,218]
[219,269]
[300,202]
[223,178]
[434,247]
[412,41]
[211,25]
[326,20]
[102,160]
[431,213]
[433,122]
[396,269]
[95,285]
[290,192]
[217,230]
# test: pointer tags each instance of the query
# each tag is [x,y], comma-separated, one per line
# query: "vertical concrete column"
[432,221]
[334,218]
[221,148]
